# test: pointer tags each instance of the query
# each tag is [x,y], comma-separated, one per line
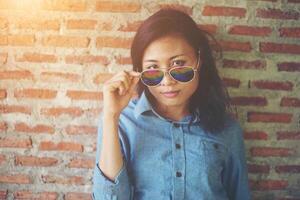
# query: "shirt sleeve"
[105,188]
[235,172]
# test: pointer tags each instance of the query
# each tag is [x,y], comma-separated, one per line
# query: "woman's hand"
[118,91]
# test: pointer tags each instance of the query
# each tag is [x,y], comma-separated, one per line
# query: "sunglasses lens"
[152,77]
[182,74]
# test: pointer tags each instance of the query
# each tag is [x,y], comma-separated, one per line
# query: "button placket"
[178,160]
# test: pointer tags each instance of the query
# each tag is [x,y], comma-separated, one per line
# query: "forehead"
[166,47]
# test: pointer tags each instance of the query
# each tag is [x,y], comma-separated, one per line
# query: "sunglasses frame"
[168,71]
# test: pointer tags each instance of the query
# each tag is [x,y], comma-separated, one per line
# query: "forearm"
[111,159]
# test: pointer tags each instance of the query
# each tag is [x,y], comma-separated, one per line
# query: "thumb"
[134,84]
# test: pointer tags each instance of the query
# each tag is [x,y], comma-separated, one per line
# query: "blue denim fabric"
[166,160]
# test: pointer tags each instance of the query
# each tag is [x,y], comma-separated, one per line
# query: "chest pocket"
[205,160]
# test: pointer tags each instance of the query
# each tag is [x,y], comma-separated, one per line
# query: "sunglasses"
[153,77]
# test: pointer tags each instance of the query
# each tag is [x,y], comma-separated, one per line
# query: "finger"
[122,89]
[112,86]
[134,84]
[134,73]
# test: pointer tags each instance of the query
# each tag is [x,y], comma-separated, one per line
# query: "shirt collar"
[143,105]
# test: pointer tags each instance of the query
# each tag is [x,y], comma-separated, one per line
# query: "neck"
[175,113]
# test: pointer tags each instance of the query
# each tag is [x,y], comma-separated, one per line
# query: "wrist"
[111,115]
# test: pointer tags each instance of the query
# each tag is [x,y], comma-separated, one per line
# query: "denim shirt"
[166,159]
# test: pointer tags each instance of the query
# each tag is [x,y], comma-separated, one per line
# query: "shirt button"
[177,146]
[176,125]
[178,174]
[216,146]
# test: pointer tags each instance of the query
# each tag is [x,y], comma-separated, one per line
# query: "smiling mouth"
[170,94]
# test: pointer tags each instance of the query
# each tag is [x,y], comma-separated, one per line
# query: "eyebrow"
[151,60]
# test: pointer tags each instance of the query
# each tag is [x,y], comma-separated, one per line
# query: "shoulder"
[130,108]
[232,132]
[128,113]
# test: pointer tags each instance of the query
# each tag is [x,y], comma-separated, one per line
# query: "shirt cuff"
[109,188]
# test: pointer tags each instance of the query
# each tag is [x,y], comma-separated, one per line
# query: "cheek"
[153,90]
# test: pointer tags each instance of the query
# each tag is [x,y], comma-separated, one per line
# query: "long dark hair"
[210,102]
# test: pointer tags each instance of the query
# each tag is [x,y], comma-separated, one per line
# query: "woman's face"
[165,53]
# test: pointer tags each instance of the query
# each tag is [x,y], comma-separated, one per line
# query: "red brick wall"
[55,55]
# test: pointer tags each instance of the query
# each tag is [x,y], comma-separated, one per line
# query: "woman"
[177,139]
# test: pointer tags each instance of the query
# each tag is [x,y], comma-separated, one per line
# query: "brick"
[230,82]
[60,77]
[210,28]
[61,146]
[3,94]
[82,163]
[58,111]
[65,5]
[18,5]
[255,168]
[35,93]
[3,194]
[25,194]
[247,101]
[3,126]
[21,40]
[40,128]
[113,42]
[236,46]
[84,95]
[16,74]
[34,161]
[241,64]
[37,24]
[78,196]
[269,185]
[102,60]
[93,111]
[271,151]
[289,66]
[15,109]
[250,30]
[273,13]
[3,40]
[287,169]
[124,60]
[269,117]
[290,102]
[269,47]
[66,41]
[102,78]
[88,24]
[224,11]
[130,26]
[15,179]
[2,159]
[37,57]
[3,58]
[288,135]
[82,129]
[290,32]
[117,6]
[73,180]
[186,9]
[255,135]
[272,85]
[15,143]
[3,23]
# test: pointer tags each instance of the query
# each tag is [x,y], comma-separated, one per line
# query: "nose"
[167,79]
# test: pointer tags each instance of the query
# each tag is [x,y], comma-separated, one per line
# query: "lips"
[170,94]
